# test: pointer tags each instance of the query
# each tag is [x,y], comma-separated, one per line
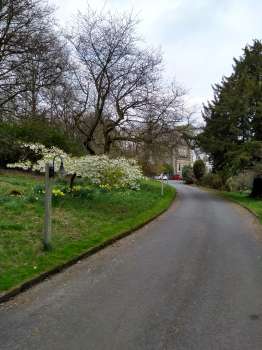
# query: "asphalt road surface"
[192,279]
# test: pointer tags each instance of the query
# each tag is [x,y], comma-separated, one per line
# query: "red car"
[177,177]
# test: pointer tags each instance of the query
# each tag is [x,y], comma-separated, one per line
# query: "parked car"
[161,177]
[177,177]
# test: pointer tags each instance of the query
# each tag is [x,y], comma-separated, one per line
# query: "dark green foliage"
[41,131]
[187,174]
[215,181]
[39,189]
[257,187]
[199,169]
[86,193]
[168,169]
[10,150]
[248,155]
[233,131]
[78,191]
[33,131]
[240,183]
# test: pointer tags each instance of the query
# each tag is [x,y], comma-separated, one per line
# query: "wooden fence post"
[48,209]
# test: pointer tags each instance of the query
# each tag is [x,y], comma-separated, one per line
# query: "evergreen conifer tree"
[233,118]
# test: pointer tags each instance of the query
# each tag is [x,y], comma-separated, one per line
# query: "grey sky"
[198,38]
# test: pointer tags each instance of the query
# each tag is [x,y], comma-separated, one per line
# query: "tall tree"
[42,70]
[157,128]
[19,20]
[234,117]
[115,74]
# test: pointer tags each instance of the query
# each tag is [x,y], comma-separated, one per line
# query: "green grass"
[255,205]
[78,224]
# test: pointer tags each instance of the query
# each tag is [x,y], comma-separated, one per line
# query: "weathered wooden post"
[49,175]
[48,208]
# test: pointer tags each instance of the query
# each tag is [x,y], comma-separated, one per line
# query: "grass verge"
[79,224]
[254,205]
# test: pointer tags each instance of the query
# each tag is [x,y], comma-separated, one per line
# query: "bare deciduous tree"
[19,20]
[117,75]
[158,127]
[42,70]
[104,87]
[136,80]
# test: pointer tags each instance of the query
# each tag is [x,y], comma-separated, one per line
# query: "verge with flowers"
[83,217]
[109,198]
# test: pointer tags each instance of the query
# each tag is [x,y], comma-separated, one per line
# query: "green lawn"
[243,199]
[78,224]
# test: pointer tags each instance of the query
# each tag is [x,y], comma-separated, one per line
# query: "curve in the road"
[192,280]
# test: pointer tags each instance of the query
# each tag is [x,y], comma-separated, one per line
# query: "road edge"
[221,195]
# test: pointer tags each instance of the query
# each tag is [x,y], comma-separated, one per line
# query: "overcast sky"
[198,38]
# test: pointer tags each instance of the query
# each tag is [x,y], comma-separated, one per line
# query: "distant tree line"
[95,89]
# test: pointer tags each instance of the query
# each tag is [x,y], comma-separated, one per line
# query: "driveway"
[192,280]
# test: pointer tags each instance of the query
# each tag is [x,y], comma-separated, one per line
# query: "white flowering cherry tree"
[102,171]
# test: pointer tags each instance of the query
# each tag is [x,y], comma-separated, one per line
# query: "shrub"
[11,150]
[41,131]
[110,175]
[212,180]
[199,169]
[240,183]
[168,169]
[98,170]
[151,169]
[187,174]
[32,130]
[257,187]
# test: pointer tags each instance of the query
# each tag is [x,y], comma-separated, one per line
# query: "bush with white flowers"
[99,170]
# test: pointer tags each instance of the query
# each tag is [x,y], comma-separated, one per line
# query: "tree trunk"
[107,145]
[257,187]
[89,148]
[72,181]
[34,105]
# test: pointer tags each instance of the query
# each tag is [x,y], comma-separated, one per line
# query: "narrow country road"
[190,280]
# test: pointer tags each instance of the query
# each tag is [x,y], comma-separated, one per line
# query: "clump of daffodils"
[101,171]
[76,188]
[105,187]
[57,192]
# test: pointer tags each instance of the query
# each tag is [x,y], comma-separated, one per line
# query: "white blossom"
[99,170]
